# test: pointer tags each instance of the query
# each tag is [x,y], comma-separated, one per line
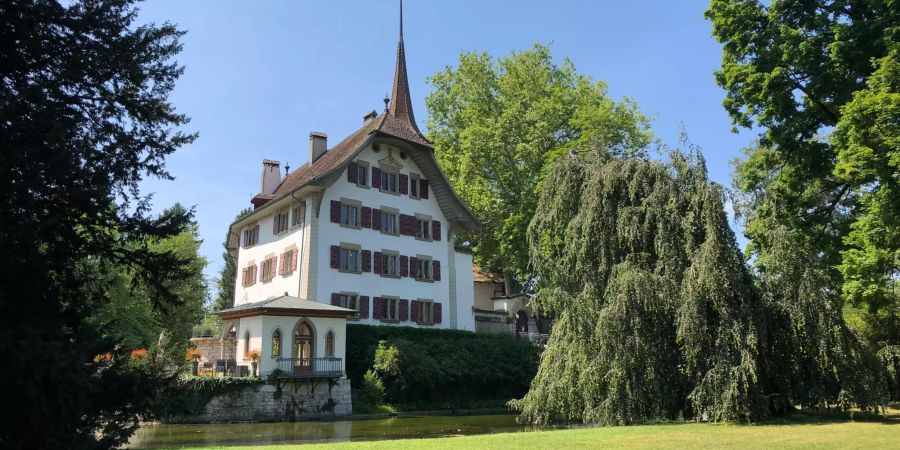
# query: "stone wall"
[213,348]
[264,404]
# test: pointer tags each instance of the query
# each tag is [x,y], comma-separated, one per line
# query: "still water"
[163,435]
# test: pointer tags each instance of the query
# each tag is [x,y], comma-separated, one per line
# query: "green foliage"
[426,365]
[802,70]
[497,122]
[656,315]
[228,274]
[889,357]
[85,117]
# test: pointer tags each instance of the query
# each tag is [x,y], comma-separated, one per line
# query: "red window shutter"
[376,178]
[255,273]
[353,172]
[281,264]
[405,227]
[423,188]
[378,268]
[335,256]
[404,184]
[366,217]
[436,230]
[376,308]
[414,305]
[404,310]
[294,261]
[244,276]
[364,306]
[366,260]
[335,211]
[404,266]
[413,266]
[437,312]
[376,219]
[262,271]
[436,270]
[336,299]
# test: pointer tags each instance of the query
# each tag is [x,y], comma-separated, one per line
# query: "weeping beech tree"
[657,318]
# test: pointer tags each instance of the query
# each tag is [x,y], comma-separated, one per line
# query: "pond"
[181,435]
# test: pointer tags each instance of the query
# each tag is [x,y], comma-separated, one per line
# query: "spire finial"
[401,20]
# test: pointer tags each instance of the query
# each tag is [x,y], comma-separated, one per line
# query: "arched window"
[329,344]
[246,341]
[276,343]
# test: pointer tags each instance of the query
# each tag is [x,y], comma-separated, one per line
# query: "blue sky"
[259,76]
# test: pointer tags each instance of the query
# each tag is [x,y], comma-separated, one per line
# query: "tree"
[228,273]
[656,315]
[84,117]
[496,124]
[129,317]
[800,70]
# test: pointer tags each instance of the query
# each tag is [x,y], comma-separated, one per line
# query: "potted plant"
[253,356]
[193,355]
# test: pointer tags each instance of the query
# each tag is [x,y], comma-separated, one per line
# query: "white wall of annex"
[331,280]
[286,324]
[270,244]
[465,292]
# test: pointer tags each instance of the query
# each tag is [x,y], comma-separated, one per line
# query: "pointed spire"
[401,101]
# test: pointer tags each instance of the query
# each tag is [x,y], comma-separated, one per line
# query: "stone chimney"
[271,176]
[369,117]
[318,145]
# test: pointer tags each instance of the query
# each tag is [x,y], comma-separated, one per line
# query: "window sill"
[390,320]
[425,280]
[428,239]
[352,227]
[389,192]
[364,186]
[425,323]
[390,234]
[384,275]
[349,271]
[354,318]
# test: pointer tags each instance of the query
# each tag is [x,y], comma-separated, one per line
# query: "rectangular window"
[362,174]
[280,224]
[390,308]
[423,228]
[268,268]
[251,235]
[424,268]
[287,262]
[414,185]
[390,263]
[389,181]
[424,311]
[298,214]
[350,301]
[349,259]
[349,215]
[388,221]
[249,274]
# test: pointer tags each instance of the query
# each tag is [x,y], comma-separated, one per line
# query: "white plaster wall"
[254,325]
[465,292]
[271,244]
[331,280]
[321,326]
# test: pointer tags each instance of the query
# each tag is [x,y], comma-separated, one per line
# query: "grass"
[801,431]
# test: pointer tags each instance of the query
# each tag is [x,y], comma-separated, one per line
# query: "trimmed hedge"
[435,365]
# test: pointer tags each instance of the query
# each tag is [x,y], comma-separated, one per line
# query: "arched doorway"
[304,346]
[521,323]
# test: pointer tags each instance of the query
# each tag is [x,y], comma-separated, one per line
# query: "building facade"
[364,232]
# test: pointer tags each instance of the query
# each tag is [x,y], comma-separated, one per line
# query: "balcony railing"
[310,367]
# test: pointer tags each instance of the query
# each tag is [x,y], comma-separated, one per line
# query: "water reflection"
[153,436]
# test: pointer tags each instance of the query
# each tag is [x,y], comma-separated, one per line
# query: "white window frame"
[362,167]
[395,213]
[269,269]
[424,262]
[350,300]
[282,221]
[351,213]
[390,304]
[388,256]
[414,185]
[423,227]
[386,176]
[298,215]
[426,305]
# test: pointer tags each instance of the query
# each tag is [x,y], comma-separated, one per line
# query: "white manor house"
[364,232]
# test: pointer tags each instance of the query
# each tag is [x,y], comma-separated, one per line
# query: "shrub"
[425,365]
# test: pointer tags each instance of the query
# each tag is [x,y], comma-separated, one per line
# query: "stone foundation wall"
[263,404]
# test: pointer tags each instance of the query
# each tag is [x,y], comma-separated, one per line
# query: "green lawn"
[797,433]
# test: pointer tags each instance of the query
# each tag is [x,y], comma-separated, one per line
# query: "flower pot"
[253,369]
[195,368]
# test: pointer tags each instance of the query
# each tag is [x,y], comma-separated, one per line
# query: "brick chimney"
[271,176]
[318,145]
